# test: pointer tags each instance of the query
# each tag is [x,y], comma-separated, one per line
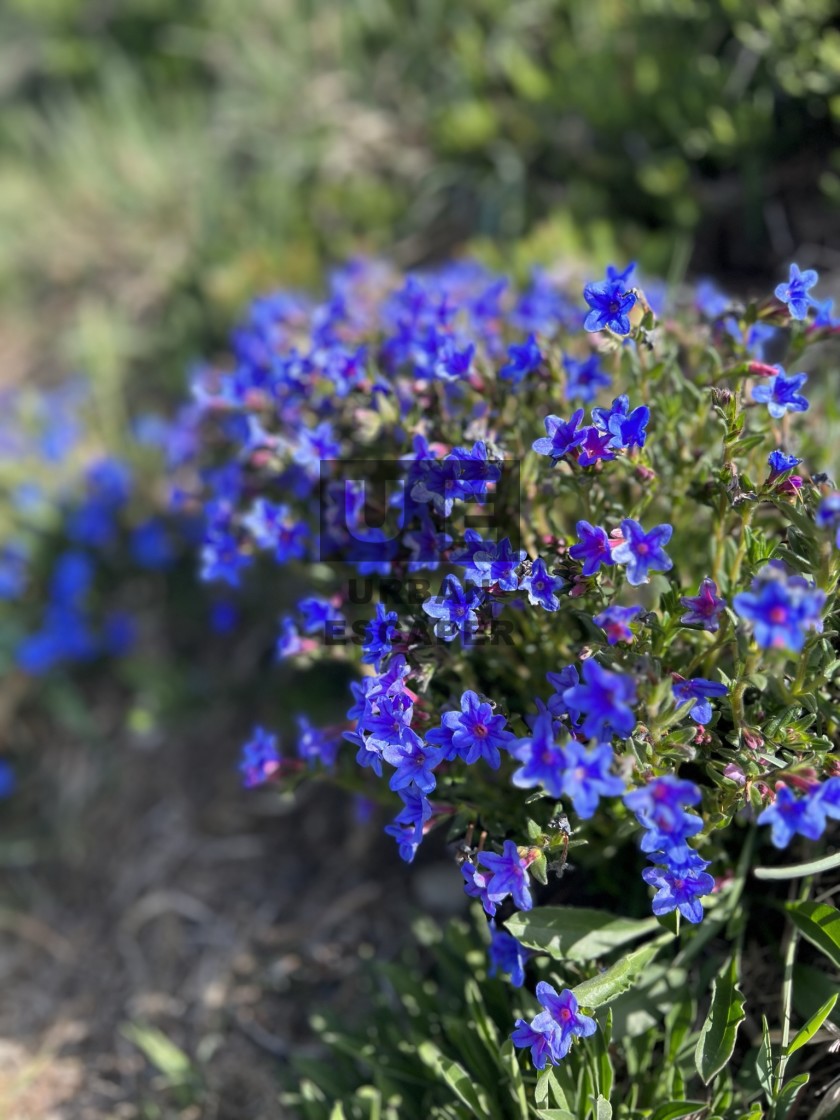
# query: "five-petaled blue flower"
[679,889]
[543,759]
[626,428]
[698,690]
[779,462]
[563,436]
[587,777]
[610,302]
[542,587]
[641,551]
[605,700]
[704,608]
[473,733]
[584,378]
[509,875]
[781,393]
[550,1034]
[593,549]
[789,815]
[782,608]
[454,610]
[379,634]
[795,292]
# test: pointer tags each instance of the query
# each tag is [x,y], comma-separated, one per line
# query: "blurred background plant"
[162,162]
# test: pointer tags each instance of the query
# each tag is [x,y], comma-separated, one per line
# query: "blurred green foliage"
[162,161]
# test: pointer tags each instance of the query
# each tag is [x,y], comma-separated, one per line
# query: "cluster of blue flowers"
[429,367]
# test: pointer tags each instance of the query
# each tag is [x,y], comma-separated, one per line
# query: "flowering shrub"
[604,632]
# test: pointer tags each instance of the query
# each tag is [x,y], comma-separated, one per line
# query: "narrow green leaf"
[806,1033]
[717,1038]
[510,1063]
[337,1112]
[764,1061]
[789,1093]
[799,870]
[456,1077]
[618,978]
[572,933]
[555,1114]
[677,1109]
[163,1054]
[820,924]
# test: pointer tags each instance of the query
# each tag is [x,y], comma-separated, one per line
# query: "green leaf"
[676,1109]
[337,1112]
[717,1038]
[555,1114]
[456,1077]
[799,870]
[820,924]
[572,933]
[764,1061]
[603,1109]
[806,1033]
[789,1093]
[164,1055]
[510,1063]
[616,979]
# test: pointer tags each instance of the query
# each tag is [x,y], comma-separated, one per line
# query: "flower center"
[778,614]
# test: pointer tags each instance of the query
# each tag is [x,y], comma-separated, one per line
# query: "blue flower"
[584,378]
[544,1043]
[522,359]
[541,586]
[507,955]
[704,608]
[413,763]
[315,745]
[454,610]
[594,548]
[550,1034]
[795,292]
[699,690]
[610,301]
[379,634]
[474,733]
[605,698]
[781,394]
[407,825]
[641,551]
[562,436]
[587,777]
[509,876]
[660,807]
[825,314]
[789,815]
[596,445]
[259,758]
[543,759]
[497,564]
[781,608]
[828,514]
[317,613]
[779,462]
[678,890]
[614,620]
[475,885]
[626,429]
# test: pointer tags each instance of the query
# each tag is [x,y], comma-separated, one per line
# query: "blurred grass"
[160,162]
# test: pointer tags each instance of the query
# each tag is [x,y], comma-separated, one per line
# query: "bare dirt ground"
[177,903]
